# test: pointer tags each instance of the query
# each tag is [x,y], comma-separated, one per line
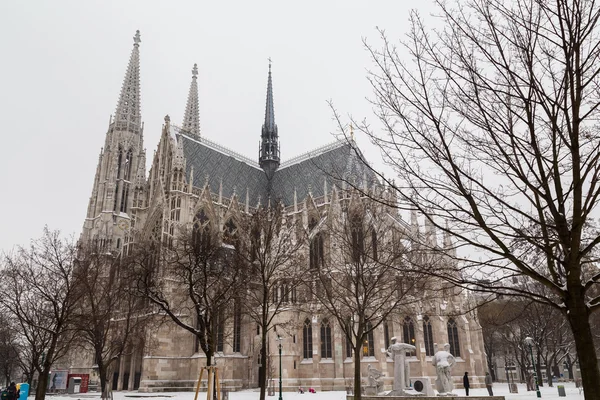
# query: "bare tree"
[202,269]
[40,294]
[490,124]
[109,318]
[507,322]
[362,282]
[9,349]
[270,246]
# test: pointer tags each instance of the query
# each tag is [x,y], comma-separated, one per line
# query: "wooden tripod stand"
[213,375]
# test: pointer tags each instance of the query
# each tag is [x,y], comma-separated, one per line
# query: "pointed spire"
[269,145]
[414,224]
[191,119]
[430,233]
[270,108]
[448,246]
[191,183]
[325,200]
[295,200]
[128,115]
[221,191]
[247,209]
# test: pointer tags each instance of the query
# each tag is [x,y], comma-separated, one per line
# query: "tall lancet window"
[230,233]
[386,334]
[325,339]
[374,244]
[119,161]
[316,252]
[307,339]
[369,342]
[127,165]
[408,330]
[201,237]
[453,338]
[427,336]
[358,240]
[237,327]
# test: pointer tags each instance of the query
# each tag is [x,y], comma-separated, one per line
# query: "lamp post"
[279,339]
[529,342]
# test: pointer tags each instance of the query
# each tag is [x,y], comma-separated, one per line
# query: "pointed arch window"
[427,336]
[369,342]
[119,162]
[348,341]
[386,334]
[358,240]
[230,233]
[316,252]
[201,232]
[237,327]
[175,208]
[325,339]
[127,165]
[408,333]
[453,338]
[307,339]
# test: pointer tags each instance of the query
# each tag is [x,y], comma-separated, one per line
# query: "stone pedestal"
[371,390]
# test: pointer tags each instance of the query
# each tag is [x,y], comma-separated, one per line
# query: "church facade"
[190,173]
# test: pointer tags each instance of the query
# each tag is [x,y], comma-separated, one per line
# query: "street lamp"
[529,342]
[279,339]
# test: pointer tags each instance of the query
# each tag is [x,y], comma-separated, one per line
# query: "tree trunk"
[262,370]
[40,393]
[569,367]
[586,351]
[549,374]
[537,369]
[102,373]
[357,377]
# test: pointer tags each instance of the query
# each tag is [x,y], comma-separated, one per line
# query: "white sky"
[63,64]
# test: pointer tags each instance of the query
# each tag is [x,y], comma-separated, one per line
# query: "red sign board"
[85,380]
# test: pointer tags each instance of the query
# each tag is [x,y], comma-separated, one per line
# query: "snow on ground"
[500,389]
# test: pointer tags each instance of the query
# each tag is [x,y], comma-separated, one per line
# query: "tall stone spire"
[128,115]
[122,165]
[269,145]
[191,120]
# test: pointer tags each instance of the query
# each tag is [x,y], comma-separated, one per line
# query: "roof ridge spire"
[269,156]
[128,114]
[270,107]
[191,119]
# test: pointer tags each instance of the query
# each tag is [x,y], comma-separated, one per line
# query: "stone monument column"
[397,352]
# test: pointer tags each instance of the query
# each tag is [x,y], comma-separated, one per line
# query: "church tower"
[269,144]
[120,166]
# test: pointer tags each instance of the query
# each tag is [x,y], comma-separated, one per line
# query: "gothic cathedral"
[189,173]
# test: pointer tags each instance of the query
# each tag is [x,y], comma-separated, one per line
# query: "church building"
[190,173]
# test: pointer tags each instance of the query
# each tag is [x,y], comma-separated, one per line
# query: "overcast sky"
[63,64]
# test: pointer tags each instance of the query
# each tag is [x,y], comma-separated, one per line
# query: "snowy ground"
[499,390]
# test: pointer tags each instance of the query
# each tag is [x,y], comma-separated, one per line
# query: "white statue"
[374,376]
[443,362]
[397,352]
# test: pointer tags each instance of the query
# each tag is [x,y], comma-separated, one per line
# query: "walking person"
[488,383]
[466,383]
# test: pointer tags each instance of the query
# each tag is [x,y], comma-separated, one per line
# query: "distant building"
[192,176]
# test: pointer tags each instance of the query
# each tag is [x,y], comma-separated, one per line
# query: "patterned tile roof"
[334,164]
[306,173]
[218,164]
